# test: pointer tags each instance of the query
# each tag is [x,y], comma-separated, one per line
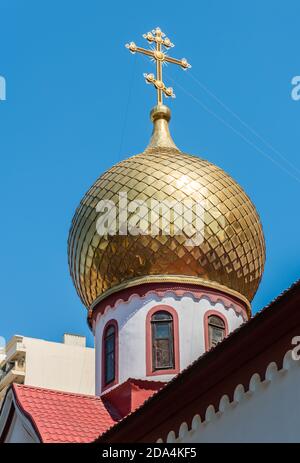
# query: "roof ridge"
[55,391]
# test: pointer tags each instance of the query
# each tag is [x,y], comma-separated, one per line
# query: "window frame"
[150,371]
[207,315]
[170,338]
[108,385]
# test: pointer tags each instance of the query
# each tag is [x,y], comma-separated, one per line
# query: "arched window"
[216,330]
[109,354]
[162,341]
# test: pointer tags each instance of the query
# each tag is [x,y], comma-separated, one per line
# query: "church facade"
[166,251]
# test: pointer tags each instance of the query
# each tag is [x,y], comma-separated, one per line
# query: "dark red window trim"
[149,363]
[208,314]
[105,386]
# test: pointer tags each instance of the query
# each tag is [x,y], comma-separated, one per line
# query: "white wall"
[269,412]
[60,366]
[131,318]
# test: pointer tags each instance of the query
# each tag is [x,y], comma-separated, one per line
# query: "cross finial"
[159,55]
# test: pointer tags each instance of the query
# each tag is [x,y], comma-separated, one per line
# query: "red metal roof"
[64,417]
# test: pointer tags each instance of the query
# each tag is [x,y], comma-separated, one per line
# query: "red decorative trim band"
[160,290]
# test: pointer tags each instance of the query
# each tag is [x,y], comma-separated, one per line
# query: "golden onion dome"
[229,257]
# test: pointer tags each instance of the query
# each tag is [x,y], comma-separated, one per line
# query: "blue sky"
[77,104]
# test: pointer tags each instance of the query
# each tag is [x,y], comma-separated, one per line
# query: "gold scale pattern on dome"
[231,256]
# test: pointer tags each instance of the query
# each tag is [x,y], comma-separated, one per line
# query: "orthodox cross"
[158,54]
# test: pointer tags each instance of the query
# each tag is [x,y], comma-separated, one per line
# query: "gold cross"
[159,55]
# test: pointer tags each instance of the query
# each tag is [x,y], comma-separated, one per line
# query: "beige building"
[67,366]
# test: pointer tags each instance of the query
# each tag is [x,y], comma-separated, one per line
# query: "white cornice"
[240,395]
